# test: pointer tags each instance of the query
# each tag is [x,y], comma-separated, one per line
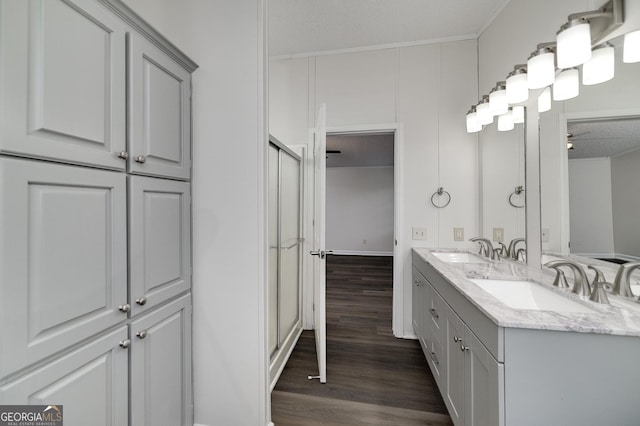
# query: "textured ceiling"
[375,150]
[604,138]
[306,26]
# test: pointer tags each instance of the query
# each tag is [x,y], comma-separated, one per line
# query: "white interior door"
[319,262]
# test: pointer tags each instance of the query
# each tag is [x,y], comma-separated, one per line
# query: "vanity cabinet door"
[63,257]
[159,112]
[454,390]
[63,95]
[161,366]
[160,241]
[418,306]
[90,383]
[484,384]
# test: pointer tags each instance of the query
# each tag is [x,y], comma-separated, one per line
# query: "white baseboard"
[362,253]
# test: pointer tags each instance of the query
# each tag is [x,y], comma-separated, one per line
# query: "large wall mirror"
[590,169]
[503,186]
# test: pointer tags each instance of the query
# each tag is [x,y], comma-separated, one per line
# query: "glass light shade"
[544,100]
[631,49]
[541,70]
[567,85]
[498,104]
[473,125]
[484,114]
[601,66]
[517,88]
[505,122]
[518,114]
[574,44]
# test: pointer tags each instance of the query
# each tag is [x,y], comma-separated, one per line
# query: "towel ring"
[439,193]
[519,190]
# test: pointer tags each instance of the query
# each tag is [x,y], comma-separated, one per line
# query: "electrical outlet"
[545,235]
[458,234]
[498,235]
[419,233]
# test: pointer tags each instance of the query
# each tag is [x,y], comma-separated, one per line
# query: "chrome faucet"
[511,251]
[580,281]
[486,248]
[621,284]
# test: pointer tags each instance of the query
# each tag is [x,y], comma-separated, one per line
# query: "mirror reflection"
[590,194]
[503,189]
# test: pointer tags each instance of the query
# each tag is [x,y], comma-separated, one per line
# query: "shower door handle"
[321,253]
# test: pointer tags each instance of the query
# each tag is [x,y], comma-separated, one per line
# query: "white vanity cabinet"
[90,383]
[159,112]
[63,85]
[159,241]
[161,366]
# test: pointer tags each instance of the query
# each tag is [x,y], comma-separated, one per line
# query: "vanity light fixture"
[473,125]
[631,49]
[483,112]
[498,104]
[505,121]
[567,85]
[541,67]
[601,66]
[517,86]
[518,114]
[544,100]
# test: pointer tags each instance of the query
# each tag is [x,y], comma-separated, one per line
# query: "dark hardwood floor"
[372,377]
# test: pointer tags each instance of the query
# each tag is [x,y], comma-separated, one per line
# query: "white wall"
[625,176]
[427,89]
[230,360]
[591,215]
[359,210]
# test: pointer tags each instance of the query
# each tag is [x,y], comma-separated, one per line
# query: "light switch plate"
[458,234]
[419,233]
[498,235]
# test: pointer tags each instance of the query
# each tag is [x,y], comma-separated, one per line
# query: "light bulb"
[567,85]
[544,100]
[574,43]
[601,66]
[517,86]
[473,125]
[631,49]
[483,113]
[541,69]
[498,104]
[505,121]
[518,114]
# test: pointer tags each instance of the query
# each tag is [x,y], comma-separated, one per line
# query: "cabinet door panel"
[161,366]
[62,257]
[436,315]
[66,64]
[485,378]
[160,123]
[455,367]
[160,242]
[90,383]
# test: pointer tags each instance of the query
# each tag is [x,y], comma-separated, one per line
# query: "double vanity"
[506,347]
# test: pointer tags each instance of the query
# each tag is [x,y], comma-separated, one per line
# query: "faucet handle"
[561,279]
[599,277]
[598,294]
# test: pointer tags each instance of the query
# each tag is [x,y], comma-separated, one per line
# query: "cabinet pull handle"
[141,334]
[124,155]
[434,313]
[124,308]
[125,343]
[463,347]
[434,358]
[142,301]
[140,159]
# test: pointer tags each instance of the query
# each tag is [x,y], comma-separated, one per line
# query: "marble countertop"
[620,317]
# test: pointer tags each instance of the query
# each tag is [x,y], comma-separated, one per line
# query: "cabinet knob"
[124,308]
[434,313]
[141,334]
[142,301]
[140,159]
[463,347]
[434,358]
[457,339]
[124,155]
[125,343]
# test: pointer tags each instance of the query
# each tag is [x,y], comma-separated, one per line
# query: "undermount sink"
[529,295]
[458,257]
